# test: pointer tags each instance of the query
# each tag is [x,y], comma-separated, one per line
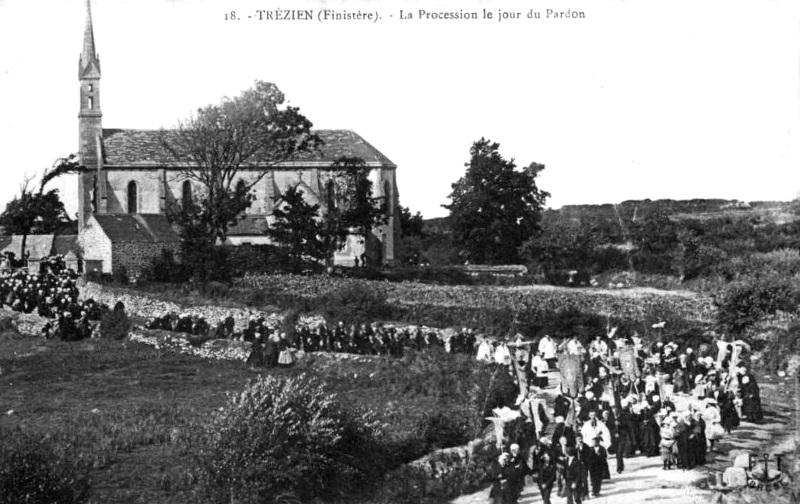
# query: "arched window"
[133,197]
[330,195]
[187,192]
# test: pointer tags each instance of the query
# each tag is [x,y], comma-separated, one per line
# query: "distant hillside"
[779,212]
[438,225]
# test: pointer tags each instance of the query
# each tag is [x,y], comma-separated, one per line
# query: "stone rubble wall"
[147,307]
[28,324]
[212,349]
[442,474]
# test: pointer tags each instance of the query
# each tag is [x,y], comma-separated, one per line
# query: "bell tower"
[90,123]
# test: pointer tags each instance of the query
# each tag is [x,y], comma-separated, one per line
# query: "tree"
[37,211]
[351,207]
[495,207]
[410,225]
[297,227]
[199,252]
[228,148]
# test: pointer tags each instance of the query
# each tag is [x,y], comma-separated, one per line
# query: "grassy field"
[128,410]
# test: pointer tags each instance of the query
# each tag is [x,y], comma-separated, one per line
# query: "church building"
[131,180]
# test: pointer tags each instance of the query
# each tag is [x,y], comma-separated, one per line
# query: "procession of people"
[359,339]
[617,399]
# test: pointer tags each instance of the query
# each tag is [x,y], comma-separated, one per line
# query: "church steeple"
[90,119]
[89,56]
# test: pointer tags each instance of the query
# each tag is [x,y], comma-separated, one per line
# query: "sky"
[638,99]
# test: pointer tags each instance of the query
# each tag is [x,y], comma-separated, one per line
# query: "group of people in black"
[361,339]
[51,293]
[672,402]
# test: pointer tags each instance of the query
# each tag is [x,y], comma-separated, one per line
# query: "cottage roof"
[39,246]
[64,244]
[153,228]
[136,147]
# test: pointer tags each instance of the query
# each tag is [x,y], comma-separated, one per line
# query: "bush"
[354,304]
[285,437]
[115,324]
[443,431]
[120,275]
[777,338]
[33,471]
[743,303]
[165,268]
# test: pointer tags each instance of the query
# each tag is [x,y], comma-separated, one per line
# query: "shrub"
[115,324]
[215,290]
[33,471]
[354,304]
[777,337]
[165,268]
[285,437]
[700,260]
[120,275]
[743,303]
[443,431]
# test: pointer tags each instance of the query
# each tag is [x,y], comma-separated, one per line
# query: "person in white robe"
[595,427]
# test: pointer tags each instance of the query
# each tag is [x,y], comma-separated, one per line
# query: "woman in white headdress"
[502,355]
[713,419]
[484,351]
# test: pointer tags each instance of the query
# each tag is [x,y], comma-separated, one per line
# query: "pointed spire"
[89,54]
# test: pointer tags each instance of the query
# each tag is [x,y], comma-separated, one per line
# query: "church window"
[187,192]
[91,103]
[91,87]
[330,195]
[133,195]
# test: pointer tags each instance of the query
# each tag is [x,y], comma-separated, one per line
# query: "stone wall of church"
[96,246]
[148,190]
[137,256]
[264,189]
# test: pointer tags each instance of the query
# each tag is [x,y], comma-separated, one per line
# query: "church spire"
[89,54]
[90,121]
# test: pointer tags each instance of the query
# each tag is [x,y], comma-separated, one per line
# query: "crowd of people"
[620,399]
[51,293]
[362,339]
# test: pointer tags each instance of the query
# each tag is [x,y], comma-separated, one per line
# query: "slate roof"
[135,147]
[152,228]
[64,244]
[39,246]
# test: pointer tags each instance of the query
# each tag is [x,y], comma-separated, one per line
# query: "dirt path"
[644,481]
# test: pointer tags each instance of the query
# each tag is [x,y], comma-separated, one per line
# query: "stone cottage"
[125,241]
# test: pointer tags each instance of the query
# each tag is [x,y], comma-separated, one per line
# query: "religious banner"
[629,364]
[572,383]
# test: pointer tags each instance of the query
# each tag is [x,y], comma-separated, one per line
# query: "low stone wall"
[28,324]
[180,343]
[147,307]
[501,270]
[442,474]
